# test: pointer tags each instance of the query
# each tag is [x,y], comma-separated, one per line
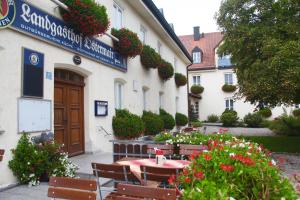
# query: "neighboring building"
[212,72]
[65,95]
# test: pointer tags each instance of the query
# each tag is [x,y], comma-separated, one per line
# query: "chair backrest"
[166,148]
[159,174]
[114,171]
[72,188]
[188,149]
[133,192]
[1,154]
[188,129]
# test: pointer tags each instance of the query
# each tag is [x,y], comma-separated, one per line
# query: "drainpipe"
[63,6]
[188,91]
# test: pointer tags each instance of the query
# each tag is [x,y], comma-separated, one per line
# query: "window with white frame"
[196,80]
[197,57]
[229,104]
[143,33]
[159,47]
[119,95]
[118,17]
[161,100]
[229,78]
[145,91]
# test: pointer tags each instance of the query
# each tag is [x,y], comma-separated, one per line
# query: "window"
[159,46]
[196,57]
[118,16]
[143,32]
[119,87]
[196,80]
[224,61]
[229,79]
[161,100]
[297,106]
[196,109]
[145,91]
[177,104]
[229,104]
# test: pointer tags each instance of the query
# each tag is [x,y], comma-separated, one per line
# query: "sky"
[185,14]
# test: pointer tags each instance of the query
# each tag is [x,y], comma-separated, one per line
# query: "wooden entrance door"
[68,111]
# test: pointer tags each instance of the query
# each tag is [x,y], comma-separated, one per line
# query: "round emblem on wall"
[7,12]
[34,59]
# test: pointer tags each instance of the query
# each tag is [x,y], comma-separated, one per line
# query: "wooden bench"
[168,149]
[135,192]
[188,149]
[72,188]
[1,154]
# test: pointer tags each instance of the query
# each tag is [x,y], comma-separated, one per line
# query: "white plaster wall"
[99,82]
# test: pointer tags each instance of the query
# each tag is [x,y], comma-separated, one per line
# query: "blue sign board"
[36,22]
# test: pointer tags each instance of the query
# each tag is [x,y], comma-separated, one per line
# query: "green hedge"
[265,112]
[153,123]
[212,118]
[253,120]
[169,121]
[229,118]
[181,119]
[286,125]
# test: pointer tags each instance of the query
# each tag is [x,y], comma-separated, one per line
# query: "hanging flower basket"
[86,16]
[197,89]
[180,79]
[129,44]
[165,70]
[149,57]
[228,88]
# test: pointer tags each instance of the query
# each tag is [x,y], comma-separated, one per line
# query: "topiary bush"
[86,16]
[169,121]
[265,112]
[296,113]
[127,125]
[181,119]
[153,123]
[228,88]
[212,118]
[129,44]
[180,79]
[165,70]
[197,89]
[230,111]
[286,125]
[149,57]
[229,118]
[253,120]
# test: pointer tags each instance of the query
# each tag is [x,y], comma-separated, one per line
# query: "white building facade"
[74,94]
[211,72]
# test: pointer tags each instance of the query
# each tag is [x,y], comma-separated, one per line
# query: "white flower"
[249,154]
[273,162]
[28,163]
[205,151]
[231,198]
[232,154]
[198,190]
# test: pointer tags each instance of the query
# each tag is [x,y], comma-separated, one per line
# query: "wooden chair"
[167,149]
[158,174]
[1,154]
[135,192]
[188,149]
[119,173]
[72,188]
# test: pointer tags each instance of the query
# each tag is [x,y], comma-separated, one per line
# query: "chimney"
[161,10]
[197,33]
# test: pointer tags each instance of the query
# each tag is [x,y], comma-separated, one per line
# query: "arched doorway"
[68,111]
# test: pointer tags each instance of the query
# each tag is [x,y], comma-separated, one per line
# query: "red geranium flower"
[199,175]
[227,168]
[187,180]
[207,156]
[171,179]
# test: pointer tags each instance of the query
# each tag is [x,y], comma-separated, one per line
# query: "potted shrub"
[127,125]
[149,57]
[253,120]
[197,89]
[165,70]
[228,88]
[169,121]
[153,123]
[181,119]
[265,112]
[129,44]
[296,113]
[180,79]
[86,16]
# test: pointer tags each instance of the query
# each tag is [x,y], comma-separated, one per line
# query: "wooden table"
[135,164]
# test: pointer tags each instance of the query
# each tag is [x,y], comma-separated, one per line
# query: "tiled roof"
[207,44]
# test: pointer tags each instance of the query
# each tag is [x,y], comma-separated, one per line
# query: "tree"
[263,38]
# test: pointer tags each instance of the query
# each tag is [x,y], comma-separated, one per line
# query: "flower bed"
[231,168]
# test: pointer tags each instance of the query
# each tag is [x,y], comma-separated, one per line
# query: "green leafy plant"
[229,118]
[129,44]
[169,121]
[165,70]
[265,112]
[197,89]
[212,118]
[181,119]
[196,124]
[162,137]
[180,79]
[286,125]
[253,120]
[149,57]
[86,16]
[228,88]
[31,162]
[127,125]
[153,123]
[296,113]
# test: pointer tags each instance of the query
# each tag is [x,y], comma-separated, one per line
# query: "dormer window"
[197,55]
